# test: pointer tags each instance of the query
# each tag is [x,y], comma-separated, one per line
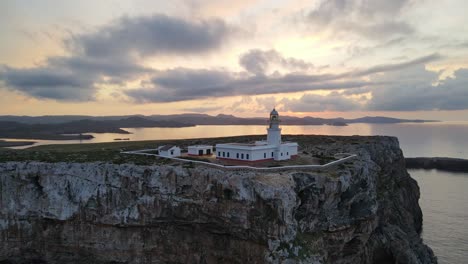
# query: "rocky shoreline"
[445,164]
[363,211]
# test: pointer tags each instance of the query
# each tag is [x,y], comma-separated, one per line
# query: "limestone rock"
[365,211]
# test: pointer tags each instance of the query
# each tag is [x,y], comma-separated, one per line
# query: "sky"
[399,58]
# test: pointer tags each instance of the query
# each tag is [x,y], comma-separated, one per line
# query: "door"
[200,152]
[208,152]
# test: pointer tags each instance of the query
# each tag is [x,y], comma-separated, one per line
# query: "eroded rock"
[365,211]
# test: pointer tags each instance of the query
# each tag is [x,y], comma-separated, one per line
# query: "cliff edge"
[363,211]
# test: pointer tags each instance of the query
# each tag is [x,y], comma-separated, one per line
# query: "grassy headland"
[111,151]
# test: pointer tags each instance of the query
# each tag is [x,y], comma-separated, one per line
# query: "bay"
[441,139]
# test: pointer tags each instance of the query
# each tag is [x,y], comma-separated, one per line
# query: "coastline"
[438,163]
[8,144]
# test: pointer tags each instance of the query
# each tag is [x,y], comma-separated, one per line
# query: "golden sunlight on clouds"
[240,57]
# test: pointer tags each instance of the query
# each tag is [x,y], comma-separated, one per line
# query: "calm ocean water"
[447,139]
[444,196]
[444,202]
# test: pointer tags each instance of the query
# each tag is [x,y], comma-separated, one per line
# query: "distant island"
[438,163]
[37,128]
[8,144]
[184,120]
[72,127]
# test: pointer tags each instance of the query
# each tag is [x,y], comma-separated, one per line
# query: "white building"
[169,151]
[200,150]
[271,149]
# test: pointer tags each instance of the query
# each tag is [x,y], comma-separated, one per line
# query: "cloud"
[397,66]
[414,91]
[46,82]
[319,103]
[411,89]
[373,19]
[258,61]
[182,84]
[111,54]
[98,70]
[357,91]
[381,29]
[152,35]
[69,78]
[202,109]
[266,103]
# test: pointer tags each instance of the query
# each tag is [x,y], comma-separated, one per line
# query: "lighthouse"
[273,148]
[274,131]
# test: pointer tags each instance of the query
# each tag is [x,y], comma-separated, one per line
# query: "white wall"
[283,152]
[274,136]
[194,150]
[293,150]
[256,154]
[175,152]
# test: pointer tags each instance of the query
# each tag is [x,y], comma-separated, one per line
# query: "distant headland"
[191,119]
[72,127]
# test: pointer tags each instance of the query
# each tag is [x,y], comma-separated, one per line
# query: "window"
[247,156]
[287,153]
[264,155]
[242,156]
[219,154]
[172,152]
[228,154]
[272,154]
[281,154]
[224,154]
[237,155]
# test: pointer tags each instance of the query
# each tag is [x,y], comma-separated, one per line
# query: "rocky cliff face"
[364,211]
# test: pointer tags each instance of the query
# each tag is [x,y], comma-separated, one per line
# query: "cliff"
[364,211]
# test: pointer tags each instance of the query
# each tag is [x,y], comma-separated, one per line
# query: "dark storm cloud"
[182,84]
[111,55]
[369,18]
[258,61]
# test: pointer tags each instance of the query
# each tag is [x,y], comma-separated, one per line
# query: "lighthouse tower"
[274,131]
[271,149]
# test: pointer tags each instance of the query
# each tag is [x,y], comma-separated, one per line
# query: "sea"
[444,195]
